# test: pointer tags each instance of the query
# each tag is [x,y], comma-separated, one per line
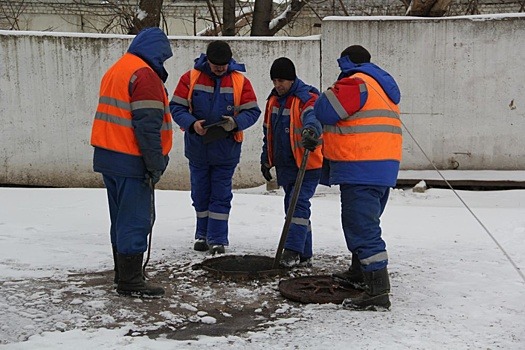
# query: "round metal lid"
[241,267]
[320,289]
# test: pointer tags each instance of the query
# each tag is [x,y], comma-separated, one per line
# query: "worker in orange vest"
[362,151]
[132,135]
[213,92]
[290,127]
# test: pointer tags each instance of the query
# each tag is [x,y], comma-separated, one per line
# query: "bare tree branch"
[290,13]
[11,13]
[147,15]
[472,8]
[343,7]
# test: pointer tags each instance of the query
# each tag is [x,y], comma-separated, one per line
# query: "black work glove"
[154,176]
[309,139]
[230,123]
[265,170]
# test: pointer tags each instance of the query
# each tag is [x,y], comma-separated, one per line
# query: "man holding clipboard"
[213,103]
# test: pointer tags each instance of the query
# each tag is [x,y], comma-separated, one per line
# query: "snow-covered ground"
[452,286]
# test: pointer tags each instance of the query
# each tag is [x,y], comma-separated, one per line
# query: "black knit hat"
[219,52]
[357,54]
[283,68]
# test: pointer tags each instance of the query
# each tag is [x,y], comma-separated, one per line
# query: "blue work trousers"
[299,237]
[211,193]
[361,210]
[132,213]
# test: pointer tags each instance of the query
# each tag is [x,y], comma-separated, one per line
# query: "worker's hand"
[265,170]
[154,176]
[230,123]
[199,129]
[309,139]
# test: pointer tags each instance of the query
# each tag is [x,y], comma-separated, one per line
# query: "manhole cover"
[320,289]
[241,267]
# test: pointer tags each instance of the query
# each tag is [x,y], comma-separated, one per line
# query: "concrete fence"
[461,78]
[462,84]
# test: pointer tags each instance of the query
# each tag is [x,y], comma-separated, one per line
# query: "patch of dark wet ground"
[196,303]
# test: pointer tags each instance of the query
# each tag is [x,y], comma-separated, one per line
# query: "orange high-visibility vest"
[112,128]
[238,84]
[315,159]
[372,133]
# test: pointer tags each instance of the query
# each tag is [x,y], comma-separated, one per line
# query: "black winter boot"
[131,280]
[200,245]
[375,295]
[216,249]
[352,277]
[115,259]
[290,259]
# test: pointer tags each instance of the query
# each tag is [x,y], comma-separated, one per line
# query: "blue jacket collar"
[153,46]
[387,82]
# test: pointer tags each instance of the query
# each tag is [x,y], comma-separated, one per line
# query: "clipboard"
[215,131]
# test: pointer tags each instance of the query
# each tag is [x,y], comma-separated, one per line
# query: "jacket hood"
[201,63]
[299,89]
[387,82]
[153,46]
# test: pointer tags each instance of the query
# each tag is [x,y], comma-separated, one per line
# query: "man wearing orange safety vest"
[289,128]
[132,135]
[213,92]
[362,151]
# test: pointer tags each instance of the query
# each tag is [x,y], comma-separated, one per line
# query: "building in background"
[194,17]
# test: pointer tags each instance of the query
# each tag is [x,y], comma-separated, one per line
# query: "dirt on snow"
[196,303]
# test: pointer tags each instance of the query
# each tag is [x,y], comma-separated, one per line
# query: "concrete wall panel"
[49,91]
[463,98]
[461,79]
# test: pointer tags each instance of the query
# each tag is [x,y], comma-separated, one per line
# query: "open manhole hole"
[246,267]
[321,289]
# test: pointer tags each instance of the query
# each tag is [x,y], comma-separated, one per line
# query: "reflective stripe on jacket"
[294,108]
[112,128]
[238,84]
[373,133]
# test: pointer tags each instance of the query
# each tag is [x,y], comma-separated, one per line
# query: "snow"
[141,14]
[452,286]
[275,21]
[472,175]
[484,17]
